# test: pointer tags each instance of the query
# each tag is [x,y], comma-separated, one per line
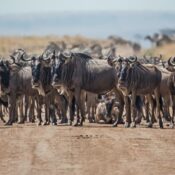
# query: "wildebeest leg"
[157,96]
[128,111]
[47,120]
[133,109]
[12,106]
[61,104]
[26,107]
[52,114]
[1,114]
[71,105]
[39,111]
[150,107]
[80,105]
[89,113]
[31,110]
[171,112]
[147,109]
[64,111]
[120,98]
[167,103]
[21,115]
[93,113]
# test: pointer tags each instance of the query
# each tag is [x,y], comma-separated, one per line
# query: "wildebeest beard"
[46,76]
[5,78]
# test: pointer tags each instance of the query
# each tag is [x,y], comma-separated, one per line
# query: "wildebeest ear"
[33,58]
[171,61]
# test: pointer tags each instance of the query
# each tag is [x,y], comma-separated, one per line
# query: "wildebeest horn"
[13,58]
[25,59]
[171,61]
[67,55]
[132,59]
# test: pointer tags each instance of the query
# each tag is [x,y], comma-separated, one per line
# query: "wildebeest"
[78,71]
[15,83]
[136,79]
[41,81]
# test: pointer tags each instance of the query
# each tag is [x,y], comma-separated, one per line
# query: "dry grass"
[36,44]
[166,51]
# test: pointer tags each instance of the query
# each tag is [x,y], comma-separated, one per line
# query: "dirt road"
[90,150]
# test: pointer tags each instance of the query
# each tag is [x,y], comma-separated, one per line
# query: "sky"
[40,6]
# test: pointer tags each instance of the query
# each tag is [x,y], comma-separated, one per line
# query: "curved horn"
[13,58]
[171,61]
[66,55]
[132,59]
[25,59]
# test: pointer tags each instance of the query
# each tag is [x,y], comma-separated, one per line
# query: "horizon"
[38,14]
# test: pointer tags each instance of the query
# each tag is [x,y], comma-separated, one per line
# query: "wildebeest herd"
[70,86]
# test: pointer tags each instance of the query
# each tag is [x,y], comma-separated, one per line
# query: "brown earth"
[94,149]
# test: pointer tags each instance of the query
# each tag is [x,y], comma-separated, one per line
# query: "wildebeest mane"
[46,76]
[81,56]
[140,77]
[79,63]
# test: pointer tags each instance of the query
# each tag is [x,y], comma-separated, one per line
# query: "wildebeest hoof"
[171,125]
[33,120]
[127,125]
[21,122]
[138,120]
[115,124]
[81,123]
[70,123]
[121,121]
[133,125]
[39,123]
[54,124]
[45,123]
[161,124]
[150,125]
[90,121]
[76,124]
[8,123]
[63,121]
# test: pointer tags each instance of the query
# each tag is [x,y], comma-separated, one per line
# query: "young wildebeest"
[15,82]
[136,79]
[78,71]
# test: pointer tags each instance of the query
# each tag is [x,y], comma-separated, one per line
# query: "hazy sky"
[30,6]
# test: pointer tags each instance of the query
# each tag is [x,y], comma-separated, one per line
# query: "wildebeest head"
[125,70]
[170,64]
[4,77]
[41,74]
[57,64]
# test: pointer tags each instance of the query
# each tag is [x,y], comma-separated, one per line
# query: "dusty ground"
[92,149]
